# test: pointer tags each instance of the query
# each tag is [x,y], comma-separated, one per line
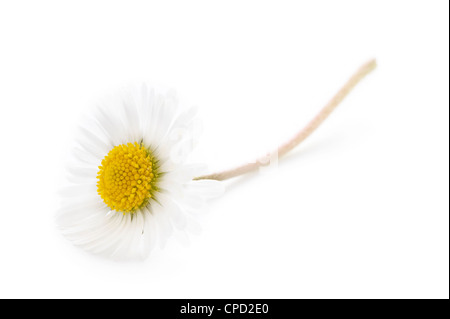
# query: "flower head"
[130,186]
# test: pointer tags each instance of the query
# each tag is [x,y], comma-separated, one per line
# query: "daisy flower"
[131,187]
[129,184]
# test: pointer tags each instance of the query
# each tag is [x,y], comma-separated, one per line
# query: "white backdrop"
[360,210]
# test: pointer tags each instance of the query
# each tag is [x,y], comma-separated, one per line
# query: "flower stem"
[302,134]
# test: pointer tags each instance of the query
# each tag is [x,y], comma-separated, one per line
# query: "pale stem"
[302,134]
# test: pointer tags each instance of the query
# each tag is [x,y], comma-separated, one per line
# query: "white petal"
[111,125]
[73,214]
[110,235]
[165,228]
[126,238]
[171,209]
[150,234]
[78,190]
[131,117]
[85,158]
[96,142]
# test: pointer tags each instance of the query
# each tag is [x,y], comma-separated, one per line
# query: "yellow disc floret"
[127,177]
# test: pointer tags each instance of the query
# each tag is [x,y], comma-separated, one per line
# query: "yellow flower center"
[127,177]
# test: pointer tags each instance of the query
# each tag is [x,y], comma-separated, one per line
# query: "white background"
[360,210]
